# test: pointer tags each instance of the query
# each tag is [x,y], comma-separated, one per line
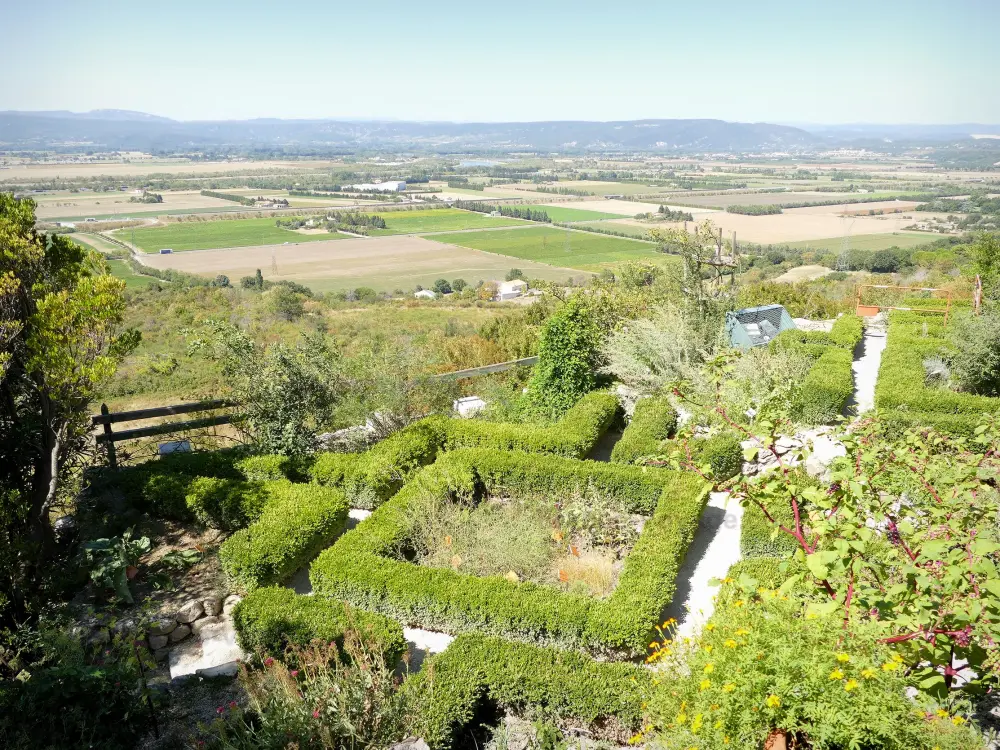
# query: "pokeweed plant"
[904,534]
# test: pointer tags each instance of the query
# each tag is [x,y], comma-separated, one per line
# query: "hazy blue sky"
[805,61]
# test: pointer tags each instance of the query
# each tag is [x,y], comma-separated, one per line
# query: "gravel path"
[715,548]
[867,358]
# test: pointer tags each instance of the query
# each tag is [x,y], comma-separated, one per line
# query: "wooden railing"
[110,437]
[107,418]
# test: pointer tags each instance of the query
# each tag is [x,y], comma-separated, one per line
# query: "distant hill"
[124,130]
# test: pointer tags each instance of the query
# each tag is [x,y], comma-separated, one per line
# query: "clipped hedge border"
[514,676]
[900,392]
[757,538]
[295,524]
[573,436]
[654,420]
[268,620]
[360,567]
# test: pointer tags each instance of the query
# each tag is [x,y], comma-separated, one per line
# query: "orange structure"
[864,310]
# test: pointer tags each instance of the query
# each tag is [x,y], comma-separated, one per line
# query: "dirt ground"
[625,208]
[803,273]
[90,204]
[378,262]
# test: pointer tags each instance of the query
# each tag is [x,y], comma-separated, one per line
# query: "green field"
[440,220]
[132,280]
[631,230]
[868,242]
[558,247]
[204,235]
[558,213]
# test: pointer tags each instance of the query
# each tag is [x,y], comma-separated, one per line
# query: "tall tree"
[61,335]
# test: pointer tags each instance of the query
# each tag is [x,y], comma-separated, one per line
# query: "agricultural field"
[440,220]
[869,242]
[382,263]
[722,201]
[569,212]
[631,227]
[121,270]
[205,235]
[558,247]
[68,206]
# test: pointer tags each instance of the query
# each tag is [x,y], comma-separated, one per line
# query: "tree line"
[514,212]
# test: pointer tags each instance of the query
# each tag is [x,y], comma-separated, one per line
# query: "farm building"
[756,326]
[425,294]
[394,186]
[511,289]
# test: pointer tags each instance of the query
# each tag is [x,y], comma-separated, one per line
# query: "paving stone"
[190,612]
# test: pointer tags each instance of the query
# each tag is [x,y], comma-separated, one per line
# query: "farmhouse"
[511,289]
[425,294]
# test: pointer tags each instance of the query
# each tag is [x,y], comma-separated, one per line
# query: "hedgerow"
[901,393]
[760,538]
[574,435]
[830,380]
[270,619]
[654,420]
[722,452]
[372,477]
[605,696]
[292,528]
[362,567]
[226,504]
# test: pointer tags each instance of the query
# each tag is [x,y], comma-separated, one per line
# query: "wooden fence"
[107,418]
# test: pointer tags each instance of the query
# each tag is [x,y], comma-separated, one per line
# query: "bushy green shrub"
[372,477]
[654,420]
[722,452]
[568,357]
[900,393]
[515,677]
[574,435]
[757,537]
[226,504]
[270,619]
[293,527]
[975,359]
[827,386]
[847,331]
[361,568]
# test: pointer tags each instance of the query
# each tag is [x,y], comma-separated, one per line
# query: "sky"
[801,61]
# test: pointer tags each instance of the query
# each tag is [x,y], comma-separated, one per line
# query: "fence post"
[112,458]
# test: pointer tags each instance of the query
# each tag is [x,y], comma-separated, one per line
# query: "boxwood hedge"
[294,525]
[270,619]
[476,670]
[901,394]
[654,420]
[365,569]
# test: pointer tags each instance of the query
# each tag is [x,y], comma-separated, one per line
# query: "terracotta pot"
[776,740]
[867,311]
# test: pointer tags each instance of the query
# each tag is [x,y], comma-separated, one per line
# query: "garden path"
[715,548]
[867,358]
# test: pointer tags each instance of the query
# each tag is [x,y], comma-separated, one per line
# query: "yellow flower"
[729,687]
[773,701]
[740,603]
[836,674]
[708,649]
[868,673]
[681,718]
[843,658]
[696,724]
[709,668]
[731,643]
[710,627]
[653,644]
[705,684]
[890,666]
[851,685]
[742,631]
[941,713]
[897,658]
[957,721]
[725,740]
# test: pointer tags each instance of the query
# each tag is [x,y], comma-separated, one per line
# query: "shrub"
[567,357]
[722,452]
[654,421]
[360,568]
[605,697]
[574,435]
[649,353]
[760,538]
[268,620]
[975,359]
[225,503]
[765,667]
[827,386]
[293,527]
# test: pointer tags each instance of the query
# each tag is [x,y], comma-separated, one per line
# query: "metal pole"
[112,458]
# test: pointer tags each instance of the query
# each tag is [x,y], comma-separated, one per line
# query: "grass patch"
[558,247]
[205,235]
[869,242]
[558,213]
[632,230]
[133,280]
[440,220]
